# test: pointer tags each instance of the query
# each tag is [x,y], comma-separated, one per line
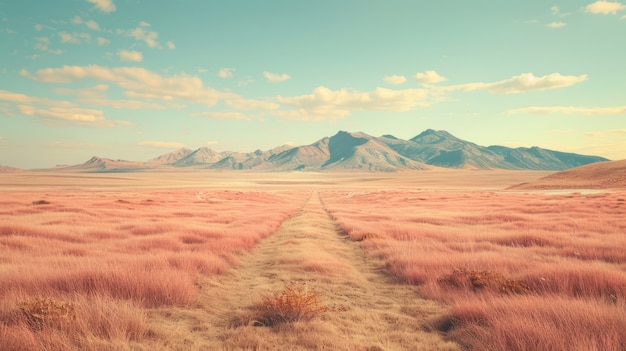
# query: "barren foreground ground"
[437,260]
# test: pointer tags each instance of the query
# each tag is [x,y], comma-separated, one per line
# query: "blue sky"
[133,79]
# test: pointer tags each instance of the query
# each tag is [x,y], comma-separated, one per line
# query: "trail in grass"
[372,310]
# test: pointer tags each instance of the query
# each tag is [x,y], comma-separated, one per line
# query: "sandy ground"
[432,179]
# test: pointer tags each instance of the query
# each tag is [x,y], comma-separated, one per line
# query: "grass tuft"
[41,311]
[484,280]
[295,303]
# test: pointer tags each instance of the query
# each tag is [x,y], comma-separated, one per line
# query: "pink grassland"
[112,256]
[518,271]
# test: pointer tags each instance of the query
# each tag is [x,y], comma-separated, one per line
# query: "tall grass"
[114,256]
[519,271]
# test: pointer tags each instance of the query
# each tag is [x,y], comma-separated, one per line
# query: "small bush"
[41,311]
[295,303]
[41,202]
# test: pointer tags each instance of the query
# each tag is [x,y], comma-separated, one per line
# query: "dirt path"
[373,312]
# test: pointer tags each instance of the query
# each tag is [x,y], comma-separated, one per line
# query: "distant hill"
[601,175]
[105,165]
[7,169]
[358,152]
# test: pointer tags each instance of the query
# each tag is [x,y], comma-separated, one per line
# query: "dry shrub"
[43,311]
[41,202]
[484,280]
[295,303]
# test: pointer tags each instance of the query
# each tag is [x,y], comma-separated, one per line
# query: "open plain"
[425,260]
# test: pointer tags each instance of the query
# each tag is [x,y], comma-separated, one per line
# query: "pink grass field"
[113,255]
[518,271]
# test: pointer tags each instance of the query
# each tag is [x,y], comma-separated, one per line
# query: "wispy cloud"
[394,79]
[226,72]
[276,77]
[106,6]
[162,144]
[126,55]
[141,34]
[74,38]
[170,45]
[56,112]
[42,43]
[140,83]
[570,110]
[556,11]
[556,24]
[224,115]
[103,41]
[429,77]
[605,7]
[525,82]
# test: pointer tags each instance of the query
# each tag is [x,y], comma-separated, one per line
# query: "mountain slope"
[102,165]
[171,157]
[359,151]
[600,175]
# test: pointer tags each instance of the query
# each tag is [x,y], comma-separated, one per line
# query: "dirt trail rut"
[375,311]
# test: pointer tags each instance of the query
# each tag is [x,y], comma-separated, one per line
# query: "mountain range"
[356,151]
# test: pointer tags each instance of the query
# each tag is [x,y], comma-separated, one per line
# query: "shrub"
[295,303]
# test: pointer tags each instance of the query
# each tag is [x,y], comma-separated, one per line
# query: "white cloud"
[144,24]
[325,103]
[170,45]
[77,20]
[38,27]
[556,11]
[103,41]
[137,83]
[223,115]
[275,77]
[96,96]
[394,79]
[93,25]
[106,6]
[74,38]
[556,24]
[226,72]
[56,112]
[523,83]
[162,144]
[570,110]
[126,55]
[139,33]
[429,77]
[605,7]
[202,70]
[75,114]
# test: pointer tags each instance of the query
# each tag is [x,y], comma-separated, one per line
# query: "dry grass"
[516,269]
[81,270]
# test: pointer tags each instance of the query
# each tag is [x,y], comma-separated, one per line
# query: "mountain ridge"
[357,151]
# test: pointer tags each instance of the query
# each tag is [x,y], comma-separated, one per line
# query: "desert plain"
[424,260]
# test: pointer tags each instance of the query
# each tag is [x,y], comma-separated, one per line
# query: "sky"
[134,79]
